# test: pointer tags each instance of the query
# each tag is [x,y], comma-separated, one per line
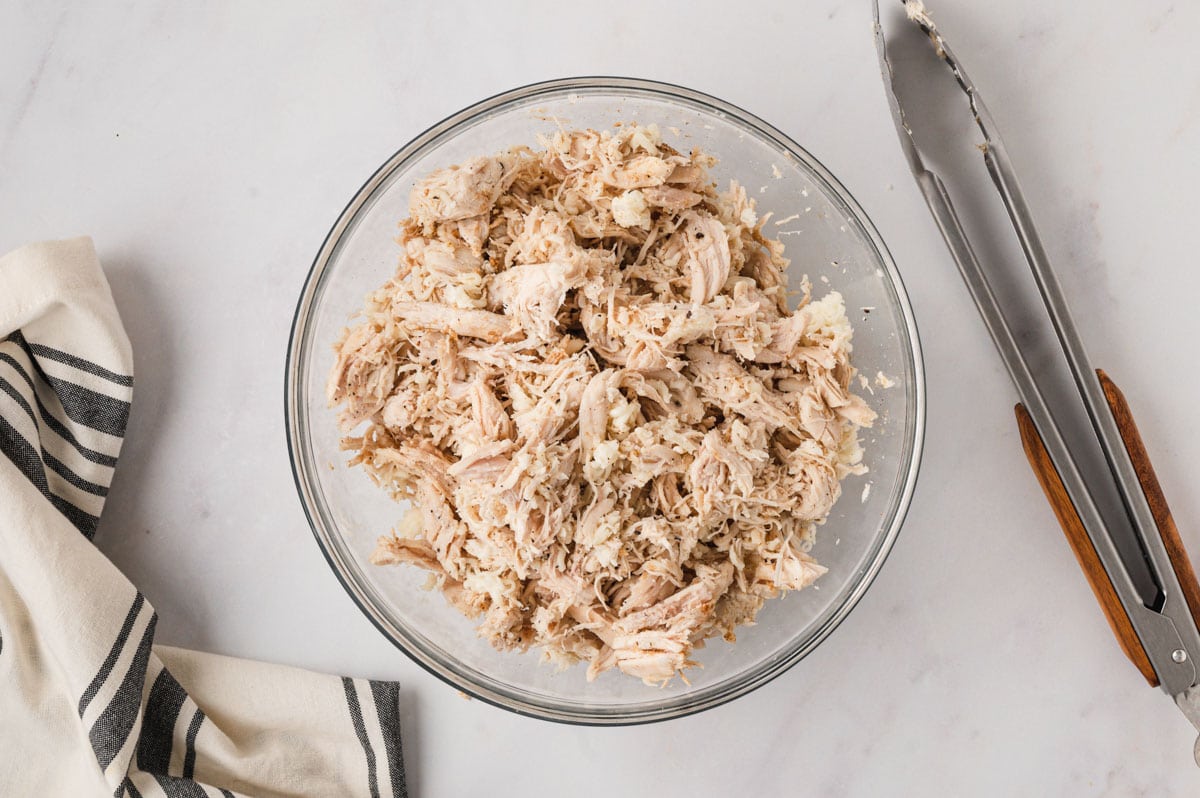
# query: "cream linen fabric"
[88,704]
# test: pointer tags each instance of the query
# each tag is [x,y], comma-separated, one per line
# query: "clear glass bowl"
[829,238]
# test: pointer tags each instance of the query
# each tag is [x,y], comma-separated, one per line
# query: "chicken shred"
[616,438]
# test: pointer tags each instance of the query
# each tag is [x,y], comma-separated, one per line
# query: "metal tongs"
[1158,632]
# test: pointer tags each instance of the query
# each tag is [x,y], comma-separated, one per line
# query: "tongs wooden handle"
[1081,544]
[1180,563]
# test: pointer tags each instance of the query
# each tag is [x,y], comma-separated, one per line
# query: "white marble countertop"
[208,148]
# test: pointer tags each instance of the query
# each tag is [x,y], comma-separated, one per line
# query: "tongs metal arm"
[1162,641]
[1098,398]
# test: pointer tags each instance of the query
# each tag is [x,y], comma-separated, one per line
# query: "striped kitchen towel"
[88,704]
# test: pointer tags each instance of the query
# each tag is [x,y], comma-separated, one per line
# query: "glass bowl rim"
[479,685]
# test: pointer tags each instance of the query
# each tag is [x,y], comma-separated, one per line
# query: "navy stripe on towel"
[82,405]
[158,724]
[189,757]
[387,707]
[81,364]
[360,729]
[114,653]
[28,462]
[111,730]
[53,423]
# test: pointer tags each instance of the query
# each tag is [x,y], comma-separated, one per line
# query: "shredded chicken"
[616,438]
